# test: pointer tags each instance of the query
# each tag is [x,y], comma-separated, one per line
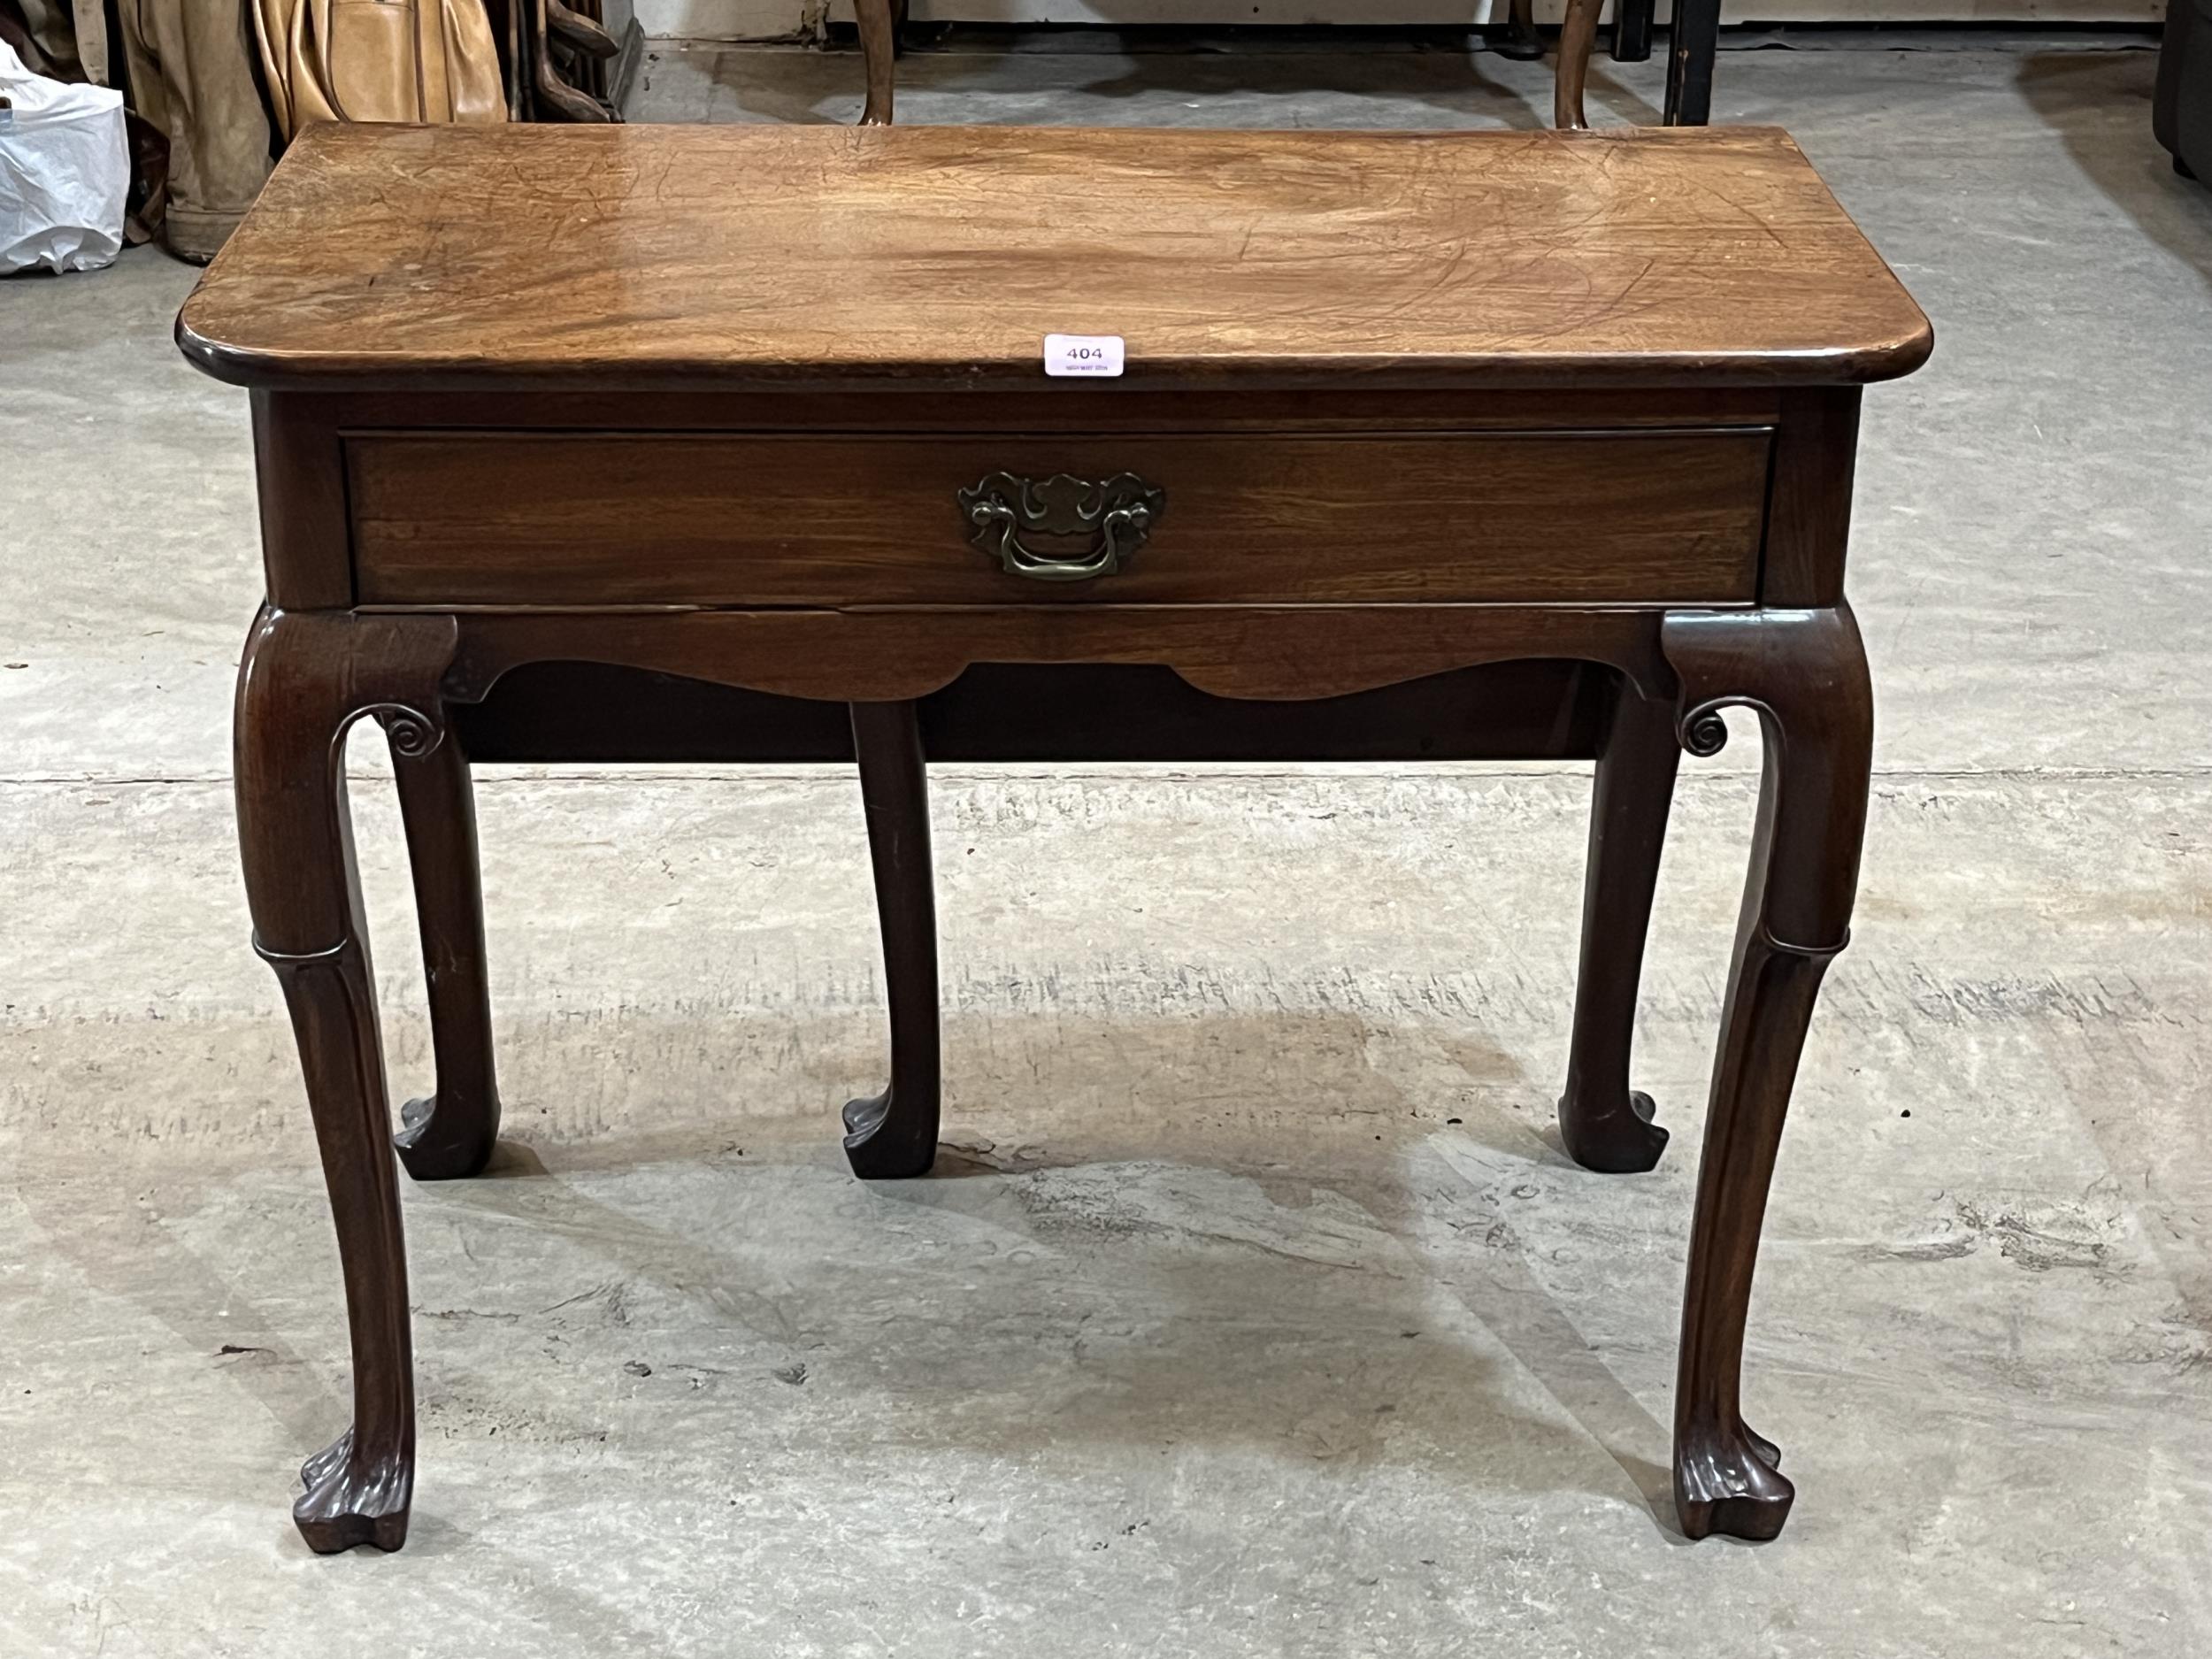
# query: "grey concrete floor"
[1255,1311]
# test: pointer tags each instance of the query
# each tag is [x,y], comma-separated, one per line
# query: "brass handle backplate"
[1115,515]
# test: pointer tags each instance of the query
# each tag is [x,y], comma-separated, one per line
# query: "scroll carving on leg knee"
[305,677]
[1578,40]
[895,1133]
[450,1133]
[1603,1124]
[1804,673]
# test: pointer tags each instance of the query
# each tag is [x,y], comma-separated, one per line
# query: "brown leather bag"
[378,60]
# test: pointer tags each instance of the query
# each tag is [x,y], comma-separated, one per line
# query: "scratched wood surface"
[657,257]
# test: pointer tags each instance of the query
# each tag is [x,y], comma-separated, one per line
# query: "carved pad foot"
[1621,1139]
[352,1501]
[887,1142]
[1728,1481]
[447,1145]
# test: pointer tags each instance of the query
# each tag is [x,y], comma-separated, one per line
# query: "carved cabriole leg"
[452,1132]
[305,677]
[1578,39]
[1521,42]
[1603,1124]
[1805,673]
[895,1133]
[879,40]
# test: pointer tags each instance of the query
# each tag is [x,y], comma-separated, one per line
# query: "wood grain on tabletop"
[672,256]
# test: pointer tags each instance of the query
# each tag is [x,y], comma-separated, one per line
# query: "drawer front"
[575,518]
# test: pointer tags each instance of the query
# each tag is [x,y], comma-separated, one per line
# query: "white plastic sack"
[64,171]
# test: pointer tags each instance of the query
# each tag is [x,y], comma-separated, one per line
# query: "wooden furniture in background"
[1692,45]
[560,61]
[2181,103]
[1436,444]
[1694,41]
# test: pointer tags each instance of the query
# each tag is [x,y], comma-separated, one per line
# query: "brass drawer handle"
[1118,513]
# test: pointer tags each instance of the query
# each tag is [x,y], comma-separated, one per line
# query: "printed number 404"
[1083,354]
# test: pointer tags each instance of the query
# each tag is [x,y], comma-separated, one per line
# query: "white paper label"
[1082,354]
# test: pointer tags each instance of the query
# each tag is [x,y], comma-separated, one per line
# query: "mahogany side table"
[668,442]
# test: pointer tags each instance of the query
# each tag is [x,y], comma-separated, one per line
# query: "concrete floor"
[1255,1311]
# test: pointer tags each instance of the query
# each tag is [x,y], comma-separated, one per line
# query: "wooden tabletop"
[708,257]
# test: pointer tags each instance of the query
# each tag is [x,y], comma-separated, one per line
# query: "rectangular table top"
[709,258]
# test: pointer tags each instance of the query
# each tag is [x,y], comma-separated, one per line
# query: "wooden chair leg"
[878,40]
[449,1133]
[1578,39]
[1604,1125]
[1805,672]
[895,1133]
[305,677]
[1522,42]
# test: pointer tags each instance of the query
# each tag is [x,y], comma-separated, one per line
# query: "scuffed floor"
[1254,1309]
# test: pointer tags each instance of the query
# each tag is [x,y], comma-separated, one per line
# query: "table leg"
[895,1133]
[1521,42]
[1604,1123]
[1577,38]
[451,1133]
[305,677]
[1805,673]
[1693,44]
[1632,30]
[878,40]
